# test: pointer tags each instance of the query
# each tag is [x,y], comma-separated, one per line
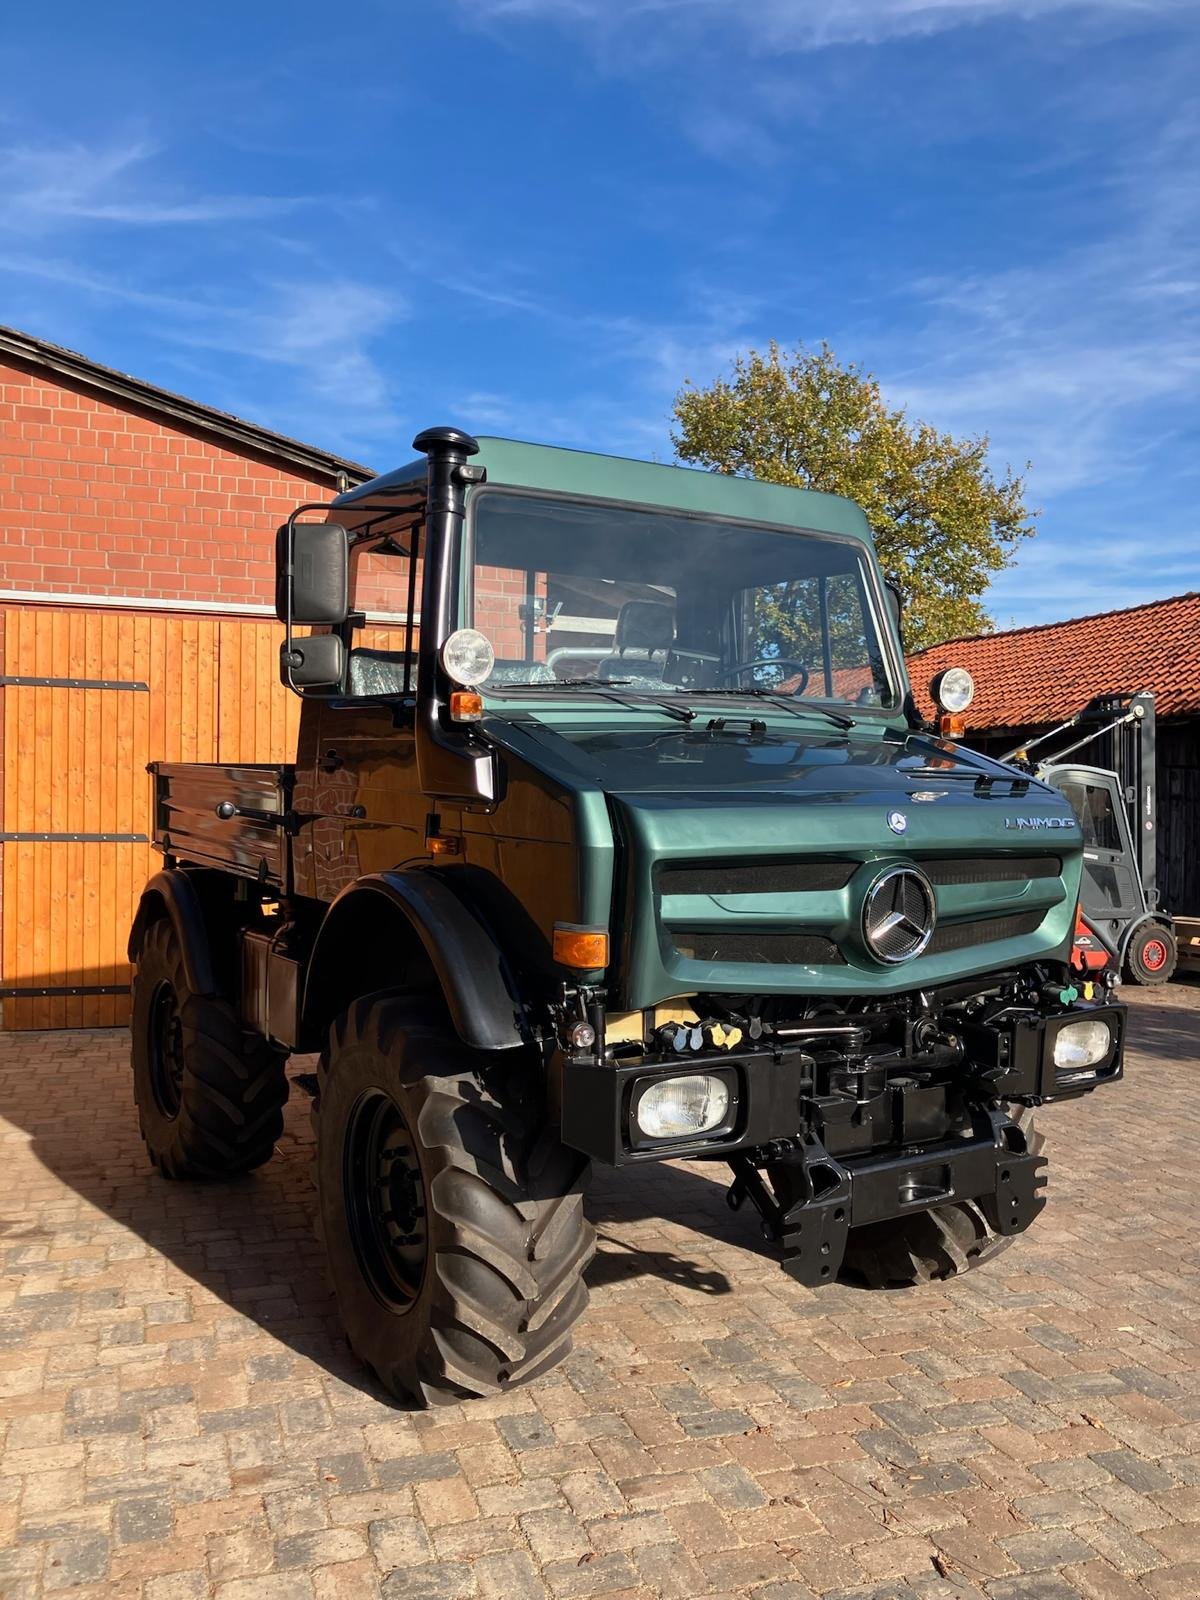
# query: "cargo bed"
[235,818]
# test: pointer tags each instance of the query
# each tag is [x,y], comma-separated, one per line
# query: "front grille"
[782,949]
[816,876]
[991,869]
[755,877]
[986,930]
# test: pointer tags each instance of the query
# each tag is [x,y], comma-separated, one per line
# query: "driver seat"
[645,631]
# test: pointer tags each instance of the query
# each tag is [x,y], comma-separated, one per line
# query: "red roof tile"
[1044,673]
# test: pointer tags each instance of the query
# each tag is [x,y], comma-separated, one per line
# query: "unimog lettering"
[608,841]
[1037,822]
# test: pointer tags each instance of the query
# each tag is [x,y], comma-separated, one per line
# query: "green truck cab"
[614,835]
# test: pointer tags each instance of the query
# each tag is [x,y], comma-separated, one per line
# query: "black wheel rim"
[385,1201]
[166,1050]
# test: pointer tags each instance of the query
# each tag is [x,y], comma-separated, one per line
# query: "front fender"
[484,1007]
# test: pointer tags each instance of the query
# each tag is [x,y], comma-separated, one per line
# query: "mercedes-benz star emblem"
[899,915]
[897,821]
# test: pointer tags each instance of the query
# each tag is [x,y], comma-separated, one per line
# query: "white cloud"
[322,330]
[804,24]
[44,187]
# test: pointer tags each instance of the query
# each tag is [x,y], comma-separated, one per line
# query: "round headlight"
[953,689]
[677,1107]
[468,657]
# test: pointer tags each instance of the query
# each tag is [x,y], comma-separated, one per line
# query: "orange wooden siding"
[74,763]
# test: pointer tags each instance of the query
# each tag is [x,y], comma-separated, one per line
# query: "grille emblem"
[897,822]
[899,915]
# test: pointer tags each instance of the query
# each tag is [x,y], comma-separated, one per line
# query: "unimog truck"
[614,836]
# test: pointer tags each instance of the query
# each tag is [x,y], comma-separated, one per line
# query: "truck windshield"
[661,602]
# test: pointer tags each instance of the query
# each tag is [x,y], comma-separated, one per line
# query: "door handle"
[331,761]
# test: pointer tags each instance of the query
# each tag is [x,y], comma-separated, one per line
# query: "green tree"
[944,524]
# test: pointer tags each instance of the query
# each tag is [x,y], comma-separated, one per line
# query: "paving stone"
[888,1447]
[509,1576]
[940,1479]
[1039,1586]
[448,1580]
[184,1421]
[732,1487]
[272,1586]
[607,1574]
[906,1419]
[401,1470]
[396,1541]
[350,1472]
[883,1591]
[1053,1548]
[322,1548]
[1174,1583]
[1098,1581]
[74,1561]
[136,1521]
[715,1424]
[1146,1477]
[527,1432]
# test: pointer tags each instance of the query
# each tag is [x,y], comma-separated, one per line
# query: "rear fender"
[171,893]
[388,928]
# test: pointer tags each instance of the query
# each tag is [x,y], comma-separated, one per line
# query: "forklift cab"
[1116,903]
[1112,890]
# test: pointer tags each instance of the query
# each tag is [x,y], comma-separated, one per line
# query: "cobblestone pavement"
[182,1418]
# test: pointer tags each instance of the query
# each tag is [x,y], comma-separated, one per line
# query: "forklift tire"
[1152,954]
[929,1246]
[451,1212]
[209,1094]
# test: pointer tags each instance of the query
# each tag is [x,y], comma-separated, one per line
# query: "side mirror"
[318,662]
[312,573]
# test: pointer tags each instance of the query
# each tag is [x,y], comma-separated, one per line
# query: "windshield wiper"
[771,696]
[602,688]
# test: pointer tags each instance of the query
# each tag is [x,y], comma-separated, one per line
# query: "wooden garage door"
[89,698]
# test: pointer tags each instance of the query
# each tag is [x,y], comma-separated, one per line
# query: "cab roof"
[550,468]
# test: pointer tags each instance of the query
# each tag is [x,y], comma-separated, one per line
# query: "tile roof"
[1043,674]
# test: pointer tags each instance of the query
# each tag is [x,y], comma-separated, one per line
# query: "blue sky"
[537,217]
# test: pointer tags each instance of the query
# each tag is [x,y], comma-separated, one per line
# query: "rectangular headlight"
[683,1107]
[1082,1044]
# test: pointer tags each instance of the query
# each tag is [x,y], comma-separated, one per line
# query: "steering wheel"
[770,661]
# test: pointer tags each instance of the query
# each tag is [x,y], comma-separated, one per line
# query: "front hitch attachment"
[805,1209]
[809,1200]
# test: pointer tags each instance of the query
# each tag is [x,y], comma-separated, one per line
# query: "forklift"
[1115,805]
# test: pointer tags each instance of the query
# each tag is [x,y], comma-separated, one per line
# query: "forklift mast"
[1121,726]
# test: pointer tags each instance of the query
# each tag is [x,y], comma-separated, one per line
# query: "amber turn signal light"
[952,725]
[583,948]
[465,706]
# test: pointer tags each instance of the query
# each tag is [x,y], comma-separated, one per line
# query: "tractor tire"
[209,1094]
[929,1246]
[452,1214]
[1152,955]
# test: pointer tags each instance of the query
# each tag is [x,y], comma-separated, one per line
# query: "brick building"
[136,585]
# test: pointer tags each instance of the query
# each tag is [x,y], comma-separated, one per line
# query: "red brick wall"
[99,499]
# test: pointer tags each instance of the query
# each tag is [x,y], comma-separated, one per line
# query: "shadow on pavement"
[250,1242]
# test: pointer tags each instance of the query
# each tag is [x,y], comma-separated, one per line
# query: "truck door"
[1111,891]
[357,794]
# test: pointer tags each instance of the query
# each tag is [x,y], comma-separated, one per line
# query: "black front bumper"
[774,1093]
[814,1199]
